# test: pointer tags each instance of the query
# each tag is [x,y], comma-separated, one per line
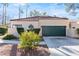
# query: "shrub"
[78,31]
[36,30]
[9,37]
[29,40]
[30,26]
[20,30]
[3,31]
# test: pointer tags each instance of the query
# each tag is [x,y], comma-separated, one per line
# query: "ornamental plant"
[29,40]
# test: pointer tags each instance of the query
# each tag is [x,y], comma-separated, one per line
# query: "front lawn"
[9,37]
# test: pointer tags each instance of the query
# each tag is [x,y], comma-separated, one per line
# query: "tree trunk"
[4,14]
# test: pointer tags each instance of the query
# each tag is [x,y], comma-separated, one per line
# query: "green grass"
[77,31]
[3,31]
[20,30]
[36,30]
[9,37]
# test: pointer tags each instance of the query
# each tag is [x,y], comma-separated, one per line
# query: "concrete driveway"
[62,46]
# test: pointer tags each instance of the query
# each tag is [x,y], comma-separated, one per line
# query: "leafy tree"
[70,8]
[45,13]
[37,13]
[30,26]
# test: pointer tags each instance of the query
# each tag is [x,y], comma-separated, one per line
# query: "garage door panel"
[54,30]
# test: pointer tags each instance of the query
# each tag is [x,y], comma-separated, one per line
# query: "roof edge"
[39,17]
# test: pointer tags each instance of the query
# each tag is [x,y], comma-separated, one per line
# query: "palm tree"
[27,6]
[20,11]
[5,5]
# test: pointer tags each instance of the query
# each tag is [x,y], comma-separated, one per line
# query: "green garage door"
[54,30]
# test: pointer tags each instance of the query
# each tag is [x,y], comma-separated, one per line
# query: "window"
[19,26]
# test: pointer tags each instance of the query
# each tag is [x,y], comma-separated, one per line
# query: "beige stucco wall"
[42,22]
[54,22]
[25,25]
[73,32]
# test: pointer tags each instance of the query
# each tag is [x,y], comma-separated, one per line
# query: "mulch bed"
[12,50]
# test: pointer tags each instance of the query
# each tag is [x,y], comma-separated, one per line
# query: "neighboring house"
[74,25]
[50,26]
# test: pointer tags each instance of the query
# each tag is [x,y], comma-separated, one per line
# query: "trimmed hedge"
[3,31]
[78,31]
[20,30]
[36,30]
[9,37]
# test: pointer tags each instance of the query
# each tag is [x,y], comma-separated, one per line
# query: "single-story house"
[50,26]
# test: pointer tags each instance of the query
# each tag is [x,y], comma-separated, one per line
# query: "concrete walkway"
[62,46]
[17,42]
[9,41]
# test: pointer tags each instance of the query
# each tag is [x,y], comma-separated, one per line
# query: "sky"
[51,9]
